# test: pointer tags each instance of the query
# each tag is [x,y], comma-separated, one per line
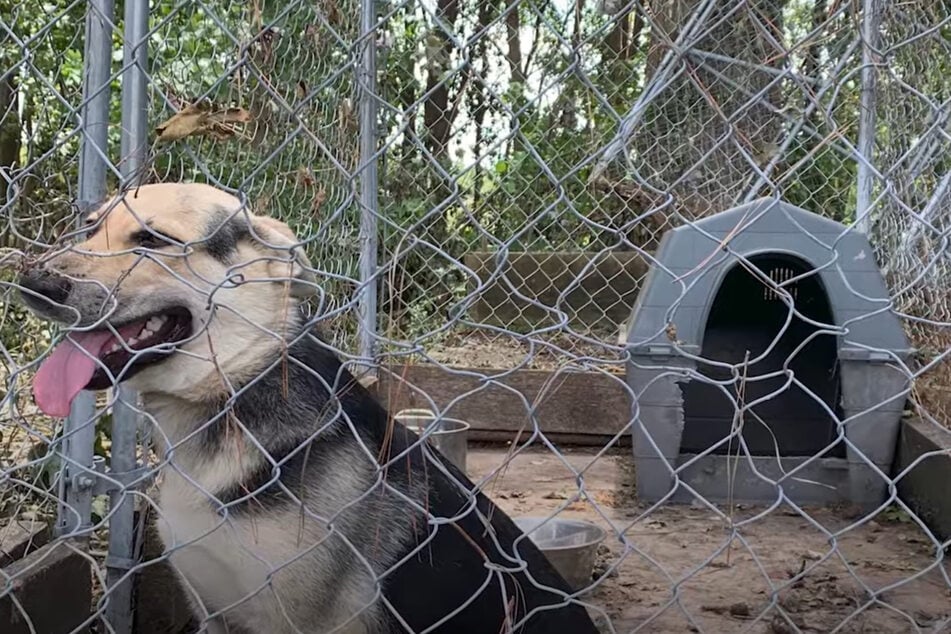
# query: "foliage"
[484,146]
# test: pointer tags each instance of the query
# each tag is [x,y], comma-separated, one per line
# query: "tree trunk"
[437,117]
[698,136]
[9,131]
[479,105]
[810,64]
[9,140]
[513,26]
[576,32]
[617,39]
[637,28]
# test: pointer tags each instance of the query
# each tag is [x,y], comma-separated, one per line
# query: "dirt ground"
[477,349]
[683,573]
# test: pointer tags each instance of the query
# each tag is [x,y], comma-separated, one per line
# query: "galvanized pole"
[134,141]
[871,20]
[80,427]
[125,417]
[369,207]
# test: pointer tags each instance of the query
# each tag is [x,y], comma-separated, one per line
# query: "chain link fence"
[480,189]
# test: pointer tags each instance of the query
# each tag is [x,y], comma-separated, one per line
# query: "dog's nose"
[46,284]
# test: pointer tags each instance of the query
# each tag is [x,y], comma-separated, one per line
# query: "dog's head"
[176,288]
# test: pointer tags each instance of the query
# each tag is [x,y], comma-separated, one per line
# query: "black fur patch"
[282,411]
[223,233]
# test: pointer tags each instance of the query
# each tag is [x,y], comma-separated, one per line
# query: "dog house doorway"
[749,317]
[857,374]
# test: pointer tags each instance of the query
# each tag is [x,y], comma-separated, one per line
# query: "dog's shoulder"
[470,566]
[451,554]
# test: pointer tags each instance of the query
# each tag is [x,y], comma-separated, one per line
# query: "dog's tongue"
[69,369]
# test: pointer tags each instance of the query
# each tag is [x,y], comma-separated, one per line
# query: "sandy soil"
[686,570]
[683,572]
[480,349]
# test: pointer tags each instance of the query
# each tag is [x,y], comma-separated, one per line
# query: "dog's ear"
[275,234]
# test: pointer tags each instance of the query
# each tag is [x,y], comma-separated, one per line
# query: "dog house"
[765,360]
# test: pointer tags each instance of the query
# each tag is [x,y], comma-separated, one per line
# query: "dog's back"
[443,554]
[477,578]
[478,572]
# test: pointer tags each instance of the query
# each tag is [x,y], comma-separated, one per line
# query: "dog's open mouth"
[76,364]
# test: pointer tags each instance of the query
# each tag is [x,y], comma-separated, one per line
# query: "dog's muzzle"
[44,291]
[102,347]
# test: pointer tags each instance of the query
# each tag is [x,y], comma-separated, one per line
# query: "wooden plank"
[923,487]
[53,586]
[571,404]
[564,440]
[603,287]
[21,537]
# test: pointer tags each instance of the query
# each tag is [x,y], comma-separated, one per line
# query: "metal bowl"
[570,545]
[451,436]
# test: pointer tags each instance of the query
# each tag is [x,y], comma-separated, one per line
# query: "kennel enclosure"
[781,314]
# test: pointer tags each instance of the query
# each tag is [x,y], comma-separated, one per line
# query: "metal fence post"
[125,418]
[80,427]
[369,207]
[871,20]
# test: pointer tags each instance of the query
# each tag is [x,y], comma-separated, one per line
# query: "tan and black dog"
[289,501]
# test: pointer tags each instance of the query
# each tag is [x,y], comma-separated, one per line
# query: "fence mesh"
[527,158]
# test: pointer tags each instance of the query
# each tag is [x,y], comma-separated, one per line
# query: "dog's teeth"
[146,333]
[154,323]
[132,341]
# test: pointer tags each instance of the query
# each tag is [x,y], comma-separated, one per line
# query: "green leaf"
[100,506]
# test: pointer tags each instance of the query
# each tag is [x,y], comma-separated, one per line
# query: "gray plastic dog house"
[822,386]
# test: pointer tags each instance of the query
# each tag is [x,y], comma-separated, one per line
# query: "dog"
[288,499]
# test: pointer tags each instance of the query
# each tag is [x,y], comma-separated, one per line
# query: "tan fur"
[242,326]
[224,560]
[228,561]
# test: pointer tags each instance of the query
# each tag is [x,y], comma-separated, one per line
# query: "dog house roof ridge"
[855,287]
[768,214]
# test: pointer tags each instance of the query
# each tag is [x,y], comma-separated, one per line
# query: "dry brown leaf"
[311,33]
[176,102]
[195,119]
[221,123]
[333,13]
[305,177]
[183,123]
[320,197]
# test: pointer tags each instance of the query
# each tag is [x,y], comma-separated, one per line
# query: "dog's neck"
[288,399]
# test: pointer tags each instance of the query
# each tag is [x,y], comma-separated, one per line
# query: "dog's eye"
[89,228]
[152,239]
